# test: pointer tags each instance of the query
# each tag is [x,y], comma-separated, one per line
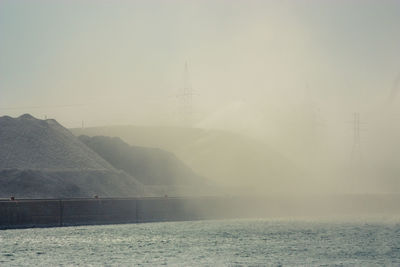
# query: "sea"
[245,242]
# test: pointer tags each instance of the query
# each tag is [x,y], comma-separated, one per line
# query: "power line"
[42,107]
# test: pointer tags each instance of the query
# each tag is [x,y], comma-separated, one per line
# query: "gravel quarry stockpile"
[42,159]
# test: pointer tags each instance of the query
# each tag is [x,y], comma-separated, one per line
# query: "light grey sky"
[123,60]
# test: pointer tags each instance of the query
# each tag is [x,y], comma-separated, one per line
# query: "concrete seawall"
[25,213]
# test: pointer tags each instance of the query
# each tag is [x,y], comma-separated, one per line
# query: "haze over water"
[291,101]
[290,74]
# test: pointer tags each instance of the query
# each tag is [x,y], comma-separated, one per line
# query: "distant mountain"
[225,158]
[151,166]
[41,158]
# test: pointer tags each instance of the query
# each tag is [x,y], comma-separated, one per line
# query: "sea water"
[258,242]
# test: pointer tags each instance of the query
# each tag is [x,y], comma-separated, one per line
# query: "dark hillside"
[151,166]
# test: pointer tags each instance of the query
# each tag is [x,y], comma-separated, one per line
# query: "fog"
[276,84]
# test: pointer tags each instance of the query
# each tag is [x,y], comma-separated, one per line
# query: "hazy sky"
[122,61]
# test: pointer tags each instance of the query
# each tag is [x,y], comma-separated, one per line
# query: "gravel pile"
[29,143]
[41,158]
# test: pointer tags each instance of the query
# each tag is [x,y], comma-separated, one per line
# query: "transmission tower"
[186,99]
[395,90]
[356,150]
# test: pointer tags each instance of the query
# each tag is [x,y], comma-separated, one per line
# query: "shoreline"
[35,213]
